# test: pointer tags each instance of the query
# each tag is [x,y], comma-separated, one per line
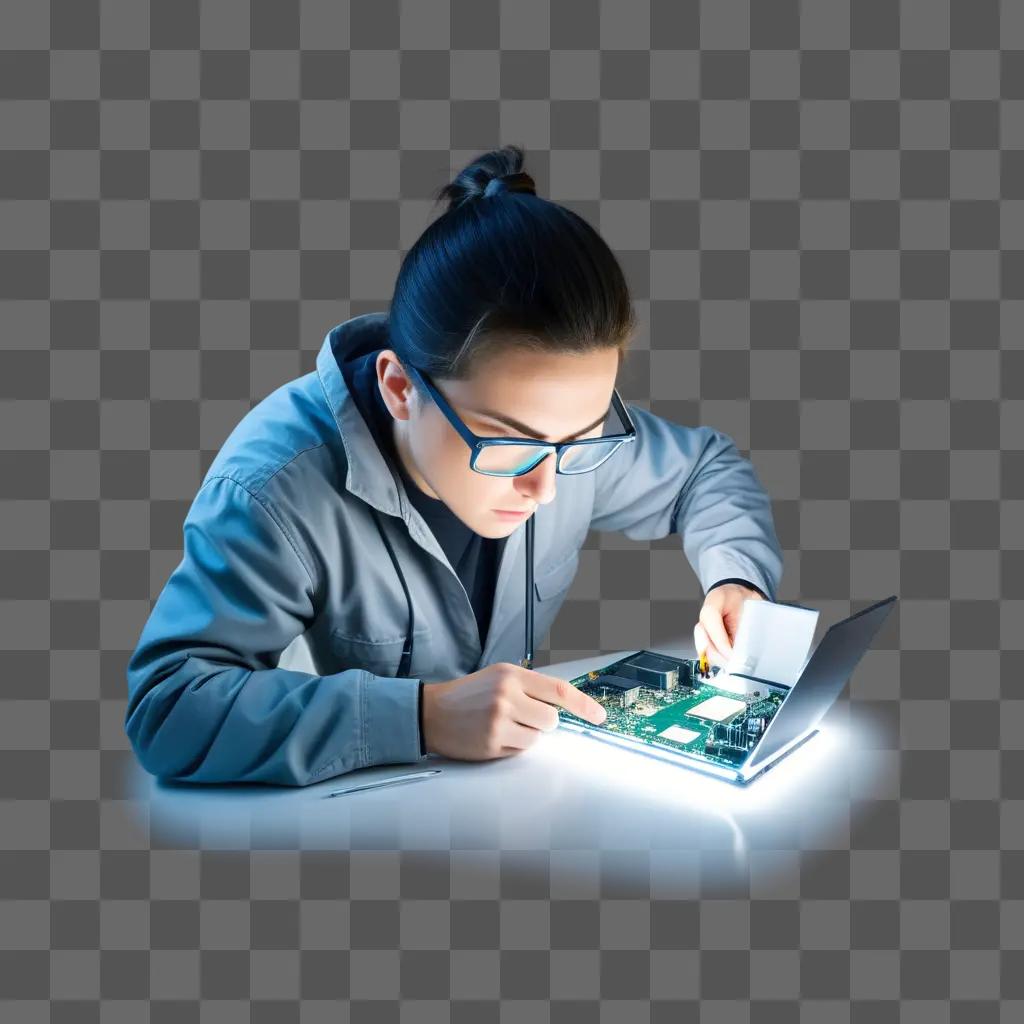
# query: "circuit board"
[668,703]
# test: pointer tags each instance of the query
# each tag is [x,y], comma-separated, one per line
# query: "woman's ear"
[395,386]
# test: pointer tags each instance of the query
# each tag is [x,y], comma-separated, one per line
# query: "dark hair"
[503,267]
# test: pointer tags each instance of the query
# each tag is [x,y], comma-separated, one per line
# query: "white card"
[773,642]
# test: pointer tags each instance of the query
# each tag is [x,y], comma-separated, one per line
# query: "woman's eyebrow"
[508,421]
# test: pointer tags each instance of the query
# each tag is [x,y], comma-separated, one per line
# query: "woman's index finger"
[563,694]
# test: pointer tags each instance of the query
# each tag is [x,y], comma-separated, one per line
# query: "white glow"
[625,770]
[568,790]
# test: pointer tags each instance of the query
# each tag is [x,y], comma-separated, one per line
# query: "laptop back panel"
[822,679]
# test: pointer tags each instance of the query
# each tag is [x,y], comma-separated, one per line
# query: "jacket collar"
[367,475]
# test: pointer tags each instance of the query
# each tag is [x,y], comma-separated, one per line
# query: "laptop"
[664,707]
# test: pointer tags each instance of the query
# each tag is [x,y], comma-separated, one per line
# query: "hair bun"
[488,175]
[518,182]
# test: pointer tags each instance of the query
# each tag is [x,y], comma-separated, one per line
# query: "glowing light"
[648,778]
[569,790]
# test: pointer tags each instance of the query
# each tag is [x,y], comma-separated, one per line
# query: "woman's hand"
[498,710]
[719,620]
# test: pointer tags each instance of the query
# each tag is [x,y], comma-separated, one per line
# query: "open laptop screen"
[822,679]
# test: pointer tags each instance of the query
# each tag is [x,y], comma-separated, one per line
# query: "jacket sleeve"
[744,583]
[693,481]
[206,700]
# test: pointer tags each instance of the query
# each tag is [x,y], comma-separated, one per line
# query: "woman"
[356,508]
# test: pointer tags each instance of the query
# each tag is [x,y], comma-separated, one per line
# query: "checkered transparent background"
[820,210]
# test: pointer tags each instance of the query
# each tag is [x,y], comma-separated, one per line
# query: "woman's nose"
[539,483]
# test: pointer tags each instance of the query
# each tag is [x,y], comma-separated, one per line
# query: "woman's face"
[512,393]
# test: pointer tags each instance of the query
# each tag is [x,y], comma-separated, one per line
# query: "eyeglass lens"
[514,459]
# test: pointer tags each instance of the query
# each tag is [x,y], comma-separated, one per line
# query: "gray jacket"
[280,546]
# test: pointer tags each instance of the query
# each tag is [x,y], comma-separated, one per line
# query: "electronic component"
[652,670]
[665,701]
[611,685]
[679,734]
[620,681]
[732,741]
[719,708]
[732,735]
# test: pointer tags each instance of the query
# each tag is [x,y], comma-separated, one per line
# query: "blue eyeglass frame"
[478,442]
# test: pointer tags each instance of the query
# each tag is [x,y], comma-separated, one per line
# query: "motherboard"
[673,703]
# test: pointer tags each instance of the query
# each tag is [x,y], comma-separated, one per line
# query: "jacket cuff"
[720,564]
[390,712]
[743,583]
[419,719]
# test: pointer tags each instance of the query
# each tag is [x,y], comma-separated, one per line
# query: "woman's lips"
[506,512]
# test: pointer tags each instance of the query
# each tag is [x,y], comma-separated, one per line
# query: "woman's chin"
[496,527]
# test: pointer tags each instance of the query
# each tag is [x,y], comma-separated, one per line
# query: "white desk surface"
[566,794]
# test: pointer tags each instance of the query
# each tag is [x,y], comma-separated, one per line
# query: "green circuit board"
[666,702]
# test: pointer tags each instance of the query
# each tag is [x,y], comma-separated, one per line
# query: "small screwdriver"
[703,664]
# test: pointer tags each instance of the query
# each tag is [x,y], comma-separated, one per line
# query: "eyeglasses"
[515,456]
